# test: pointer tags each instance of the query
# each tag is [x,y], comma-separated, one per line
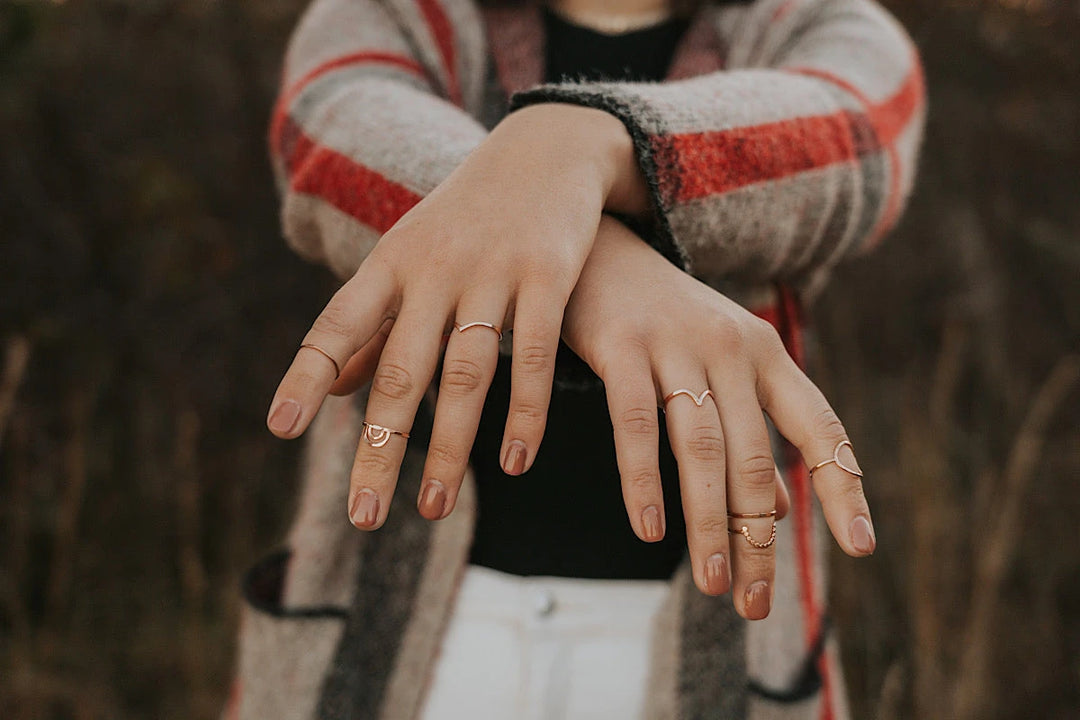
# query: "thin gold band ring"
[328,356]
[462,327]
[747,516]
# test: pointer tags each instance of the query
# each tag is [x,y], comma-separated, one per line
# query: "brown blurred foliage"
[148,307]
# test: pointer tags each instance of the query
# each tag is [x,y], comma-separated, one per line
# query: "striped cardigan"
[784,140]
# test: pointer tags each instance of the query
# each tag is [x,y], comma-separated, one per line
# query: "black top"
[565,516]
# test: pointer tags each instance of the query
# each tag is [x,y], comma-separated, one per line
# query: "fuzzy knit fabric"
[784,141]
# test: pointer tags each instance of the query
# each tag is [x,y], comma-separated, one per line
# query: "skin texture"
[513,237]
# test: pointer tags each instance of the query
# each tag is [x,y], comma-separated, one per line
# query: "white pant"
[542,648]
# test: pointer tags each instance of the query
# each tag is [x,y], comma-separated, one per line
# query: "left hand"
[647,328]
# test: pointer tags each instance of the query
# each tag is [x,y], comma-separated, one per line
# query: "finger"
[405,369]
[783,497]
[631,398]
[472,354]
[751,489]
[803,415]
[537,324]
[347,323]
[697,440]
[360,368]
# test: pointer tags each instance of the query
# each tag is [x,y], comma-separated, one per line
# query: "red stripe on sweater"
[281,108]
[358,191]
[443,33]
[781,11]
[711,163]
[889,118]
[789,323]
[716,162]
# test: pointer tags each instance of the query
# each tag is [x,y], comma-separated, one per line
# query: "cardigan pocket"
[284,651]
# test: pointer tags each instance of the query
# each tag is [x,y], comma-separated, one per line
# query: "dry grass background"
[148,306]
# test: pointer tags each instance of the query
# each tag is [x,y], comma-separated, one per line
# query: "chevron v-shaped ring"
[699,400]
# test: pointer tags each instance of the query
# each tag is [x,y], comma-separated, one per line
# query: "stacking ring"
[377,435]
[741,516]
[698,399]
[328,356]
[745,532]
[463,327]
[836,459]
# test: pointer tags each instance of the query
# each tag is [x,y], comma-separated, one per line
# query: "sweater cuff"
[633,115]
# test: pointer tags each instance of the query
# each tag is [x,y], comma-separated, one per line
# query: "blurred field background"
[148,306]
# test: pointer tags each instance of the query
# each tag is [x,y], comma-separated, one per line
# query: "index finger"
[351,318]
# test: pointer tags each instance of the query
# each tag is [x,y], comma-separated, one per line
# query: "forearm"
[799,153]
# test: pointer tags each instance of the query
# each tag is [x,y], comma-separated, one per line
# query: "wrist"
[595,139]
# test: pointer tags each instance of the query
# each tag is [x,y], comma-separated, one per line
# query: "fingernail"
[432,500]
[653,524]
[365,508]
[862,535]
[758,600]
[515,458]
[284,417]
[716,574]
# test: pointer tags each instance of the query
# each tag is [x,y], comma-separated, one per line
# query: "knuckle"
[333,321]
[827,425]
[706,445]
[728,335]
[614,346]
[534,358]
[852,495]
[639,422]
[547,276]
[525,411]
[757,471]
[393,382]
[373,463]
[462,376]
[642,481]
[445,454]
[756,563]
[765,335]
[714,526]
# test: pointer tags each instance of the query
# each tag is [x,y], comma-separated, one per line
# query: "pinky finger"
[803,415]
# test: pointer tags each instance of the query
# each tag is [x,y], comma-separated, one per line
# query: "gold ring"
[698,399]
[377,435]
[328,356]
[747,516]
[836,459]
[745,532]
[489,326]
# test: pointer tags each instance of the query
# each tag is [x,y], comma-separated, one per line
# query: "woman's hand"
[500,243]
[647,329]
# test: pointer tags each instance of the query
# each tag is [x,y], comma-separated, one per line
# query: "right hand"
[501,241]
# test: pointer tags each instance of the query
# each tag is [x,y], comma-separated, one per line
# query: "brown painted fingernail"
[716,574]
[758,600]
[653,524]
[284,417]
[365,508]
[862,535]
[432,500]
[515,458]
